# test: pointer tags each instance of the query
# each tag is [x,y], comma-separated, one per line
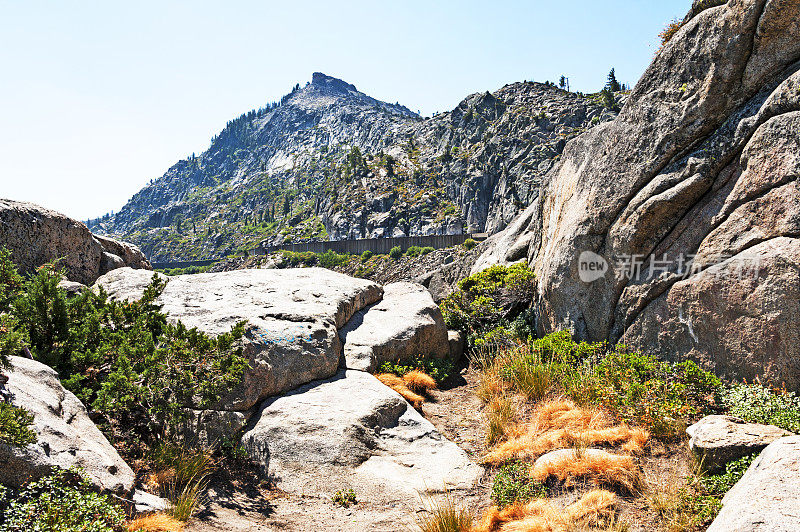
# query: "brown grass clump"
[598,466]
[501,415]
[155,523]
[559,424]
[161,479]
[397,384]
[419,381]
[445,516]
[595,508]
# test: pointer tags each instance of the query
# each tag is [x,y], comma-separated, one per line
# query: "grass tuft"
[445,516]
[157,522]
[419,381]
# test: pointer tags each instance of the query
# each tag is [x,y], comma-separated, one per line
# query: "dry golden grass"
[502,413]
[599,467]
[397,384]
[558,424]
[419,381]
[161,480]
[595,508]
[490,386]
[155,523]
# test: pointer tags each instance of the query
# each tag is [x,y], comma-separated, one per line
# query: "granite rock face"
[717,440]
[293,319]
[404,324]
[766,497]
[675,228]
[36,236]
[351,430]
[66,436]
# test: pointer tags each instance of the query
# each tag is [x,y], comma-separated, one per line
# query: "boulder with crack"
[405,323]
[352,431]
[66,436]
[292,315]
[717,440]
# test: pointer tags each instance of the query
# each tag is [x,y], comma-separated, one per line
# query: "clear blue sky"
[99,97]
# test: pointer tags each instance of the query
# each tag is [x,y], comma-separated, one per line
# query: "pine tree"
[612,84]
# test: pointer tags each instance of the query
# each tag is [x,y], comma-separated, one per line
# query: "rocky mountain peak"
[324,81]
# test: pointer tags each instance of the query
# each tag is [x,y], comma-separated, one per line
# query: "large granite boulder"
[405,323]
[767,497]
[292,315]
[36,236]
[717,440]
[352,431]
[66,436]
[676,227]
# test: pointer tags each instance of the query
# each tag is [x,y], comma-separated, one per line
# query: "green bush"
[296,258]
[757,404]
[331,260]
[513,484]
[396,252]
[426,250]
[720,484]
[414,251]
[15,426]
[469,244]
[495,297]
[123,359]
[366,256]
[439,369]
[63,502]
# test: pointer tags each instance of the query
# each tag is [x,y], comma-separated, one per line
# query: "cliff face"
[330,162]
[676,227]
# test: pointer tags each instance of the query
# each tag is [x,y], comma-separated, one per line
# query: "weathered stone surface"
[457,343]
[66,436]
[293,319]
[717,440]
[701,165]
[767,497]
[351,430]
[36,236]
[405,323]
[147,502]
[71,287]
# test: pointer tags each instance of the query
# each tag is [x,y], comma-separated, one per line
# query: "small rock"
[717,440]
[147,502]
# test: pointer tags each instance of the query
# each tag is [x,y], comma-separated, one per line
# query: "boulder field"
[307,409]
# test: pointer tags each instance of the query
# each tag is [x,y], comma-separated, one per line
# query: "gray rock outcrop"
[402,325]
[687,205]
[293,319]
[766,497]
[717,440]
[352,431]
[66,436]
[36,236]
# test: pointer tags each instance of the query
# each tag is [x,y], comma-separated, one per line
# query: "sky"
[99,97]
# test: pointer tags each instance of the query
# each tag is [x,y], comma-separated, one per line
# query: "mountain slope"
[330,162]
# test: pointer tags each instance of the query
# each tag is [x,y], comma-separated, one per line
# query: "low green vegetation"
[133,369]
[492,305]
[439,369]
[416,251]
[757,404]
[345,498]
[396,252]
[328,259]
[366,256]
[189,270]
[469,243]
[15,426]
[512,483]
[63,501]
